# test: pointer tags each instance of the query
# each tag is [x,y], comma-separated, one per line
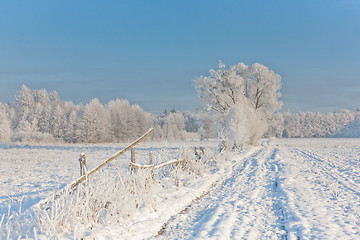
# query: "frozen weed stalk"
[335,191]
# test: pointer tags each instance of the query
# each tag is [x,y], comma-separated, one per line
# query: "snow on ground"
[29,173]
[289,189]
[283,189]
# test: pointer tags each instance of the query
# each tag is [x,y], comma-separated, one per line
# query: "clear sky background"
[149,52]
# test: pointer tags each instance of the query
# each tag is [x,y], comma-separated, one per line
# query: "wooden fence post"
[199,153]
[151,163]
[133,157]
[82,161]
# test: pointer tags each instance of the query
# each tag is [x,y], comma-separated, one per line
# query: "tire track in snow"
[324,165]
[310,210]
[244,206]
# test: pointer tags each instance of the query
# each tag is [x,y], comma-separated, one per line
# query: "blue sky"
[149,52]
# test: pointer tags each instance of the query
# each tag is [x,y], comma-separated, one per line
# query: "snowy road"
[284,191]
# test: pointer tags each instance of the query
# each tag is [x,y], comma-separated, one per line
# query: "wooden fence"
[84,174]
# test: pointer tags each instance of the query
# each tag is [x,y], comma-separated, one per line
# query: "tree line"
[39,116]
[241,104]
[342,123]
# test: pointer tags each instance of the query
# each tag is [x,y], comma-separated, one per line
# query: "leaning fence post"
[133,158]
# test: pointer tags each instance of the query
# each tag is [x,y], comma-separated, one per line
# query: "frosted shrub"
[29,136]
[190,162]
[104,200]
[244,126]
[189,167]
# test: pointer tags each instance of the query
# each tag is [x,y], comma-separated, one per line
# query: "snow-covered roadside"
[170,201]
[51,167]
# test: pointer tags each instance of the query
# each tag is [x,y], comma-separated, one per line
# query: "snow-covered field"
[282,189]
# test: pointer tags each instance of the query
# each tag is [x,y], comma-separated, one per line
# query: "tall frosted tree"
[93,123]
[174,126]
[24,105]
[224,88]
[252,91]
[121,120]
[142,120]
[57,121]
[70,127]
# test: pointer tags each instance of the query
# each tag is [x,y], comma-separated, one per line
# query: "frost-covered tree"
[263,89]
[5,123]
[255,92]
[70,127]
[309,124]
[121,120]
[276,126]
[23,106]
[225,88]
[174,126]
[94,123]
[142,120]
[57,121]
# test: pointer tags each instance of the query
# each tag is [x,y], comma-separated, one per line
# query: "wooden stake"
[133,158]
[82,164]
[151,163]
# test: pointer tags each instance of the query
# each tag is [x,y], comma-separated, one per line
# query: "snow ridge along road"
[283,191]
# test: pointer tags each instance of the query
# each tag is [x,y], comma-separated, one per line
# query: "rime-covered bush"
[104,200]
[245,125]
[191,166]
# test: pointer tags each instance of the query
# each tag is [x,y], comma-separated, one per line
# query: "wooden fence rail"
[137,166]
[82,178]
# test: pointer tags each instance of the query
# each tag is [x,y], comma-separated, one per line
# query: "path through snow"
[283,191]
